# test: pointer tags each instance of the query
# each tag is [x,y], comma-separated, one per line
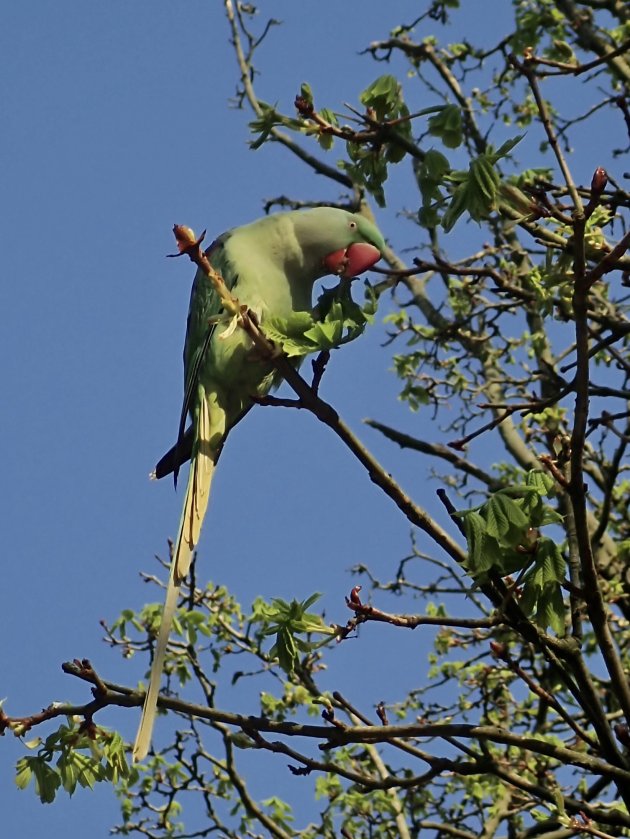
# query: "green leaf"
[24,773]
[497,521]
[557,611]
[511,512]
[430,174]
[550,610]
[324,138]
[506,148]
[306,604]
[559,799]
[447,125]
[325,335]
[336,320]
[264,123]
[456,208]
[435,164]
[242,741]
[549,516]
[428,217]
[384,96]
[475,527]
[289,333]
[285,650]
[542,594]
[541,481]
[68,774]
[287,621]
[47,781]
[503,534]
[476,190]
[105,761]
[480,555]
[551,561]
[485,178]
[528,598]
[306,93]
[370,169]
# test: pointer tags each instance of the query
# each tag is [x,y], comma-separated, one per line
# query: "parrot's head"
[347,244]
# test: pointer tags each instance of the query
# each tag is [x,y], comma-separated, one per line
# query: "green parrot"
[269,265]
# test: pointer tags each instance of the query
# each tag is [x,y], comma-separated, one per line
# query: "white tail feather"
[196,502]
[195,506]
[149,709]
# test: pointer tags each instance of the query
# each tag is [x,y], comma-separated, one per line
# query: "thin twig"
[527,68]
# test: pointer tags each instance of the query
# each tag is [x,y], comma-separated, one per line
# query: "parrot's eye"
[353,225]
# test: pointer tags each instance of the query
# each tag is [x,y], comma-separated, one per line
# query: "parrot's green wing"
[205,307]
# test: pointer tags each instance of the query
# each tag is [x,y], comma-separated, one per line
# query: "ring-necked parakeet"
[270,266]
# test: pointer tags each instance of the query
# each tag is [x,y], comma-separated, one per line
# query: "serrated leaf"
[455,208]
[484,550]
[289,333]
[428,217]
[263,124]
[545,608]
[507,147]
[394,152]
[559,799]
[528,598]
[557,611]
[384,96]
[475,527]
[550,516]
[87,777]
[512,511]
[68,774]
[24,773]
[285,651]
[329,116]
[326,141]
[551,561]
[497,522]
[478,206]
[447,124]
[505,519]
[306,604]
[435,164]
[485,177]
[542,482]
[325,335]
[47,781]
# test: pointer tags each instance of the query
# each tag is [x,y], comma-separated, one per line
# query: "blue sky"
[116,125]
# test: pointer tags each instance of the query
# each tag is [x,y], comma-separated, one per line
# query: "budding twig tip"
[187,242]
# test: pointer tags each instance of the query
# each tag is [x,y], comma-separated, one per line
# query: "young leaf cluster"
[288,621]
[503,536]
[71,757]
[335,320]
[476,191]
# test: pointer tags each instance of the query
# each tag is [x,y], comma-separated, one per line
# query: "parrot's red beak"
[352,261]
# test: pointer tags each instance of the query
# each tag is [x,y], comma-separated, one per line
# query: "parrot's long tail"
[195,506]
